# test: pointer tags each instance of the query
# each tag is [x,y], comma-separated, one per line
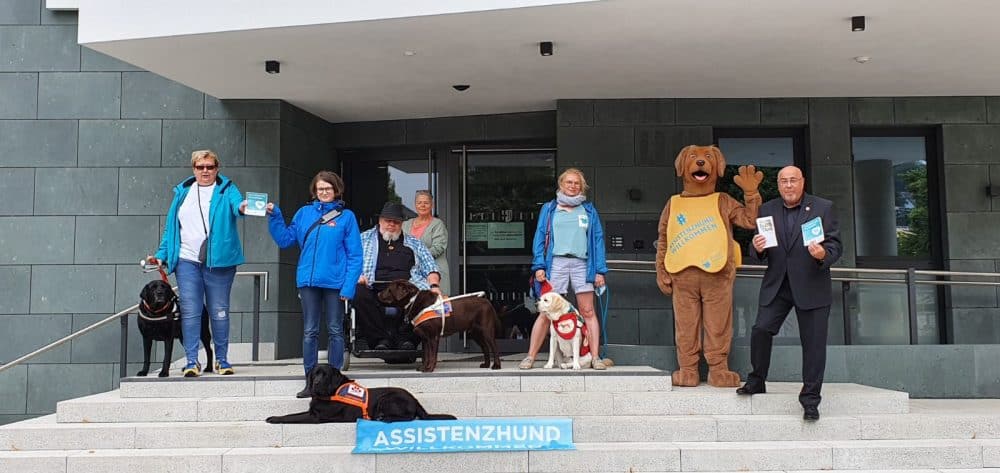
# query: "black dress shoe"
[382,345]
[407,345]
[360,345]
[811,413]
[747,389]
[307,392]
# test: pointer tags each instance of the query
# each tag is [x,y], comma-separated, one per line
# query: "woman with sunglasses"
[329,265]
[201,244]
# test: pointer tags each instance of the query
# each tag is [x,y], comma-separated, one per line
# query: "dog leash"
[603,302]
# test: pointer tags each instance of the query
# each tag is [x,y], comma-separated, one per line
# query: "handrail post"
[123,356]
[845,287]
[911,302]
[256,318]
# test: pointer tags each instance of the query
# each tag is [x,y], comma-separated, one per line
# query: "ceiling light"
[272,67]
[862,59]
[545,48]
[409,53]
[857,23]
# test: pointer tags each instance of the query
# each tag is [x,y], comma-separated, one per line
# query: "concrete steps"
[589,457]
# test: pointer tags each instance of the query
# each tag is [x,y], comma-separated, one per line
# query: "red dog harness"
[352,394]
[578,324]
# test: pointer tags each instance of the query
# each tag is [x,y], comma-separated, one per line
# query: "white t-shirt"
[192,231]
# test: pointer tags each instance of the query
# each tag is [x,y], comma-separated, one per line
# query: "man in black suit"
[797,276]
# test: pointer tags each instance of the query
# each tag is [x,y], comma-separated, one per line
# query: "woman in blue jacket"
[329,264]
[568,250]
[201,244]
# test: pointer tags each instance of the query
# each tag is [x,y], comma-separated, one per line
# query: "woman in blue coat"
[329,264]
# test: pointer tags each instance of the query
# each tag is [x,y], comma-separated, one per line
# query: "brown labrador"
[474,315]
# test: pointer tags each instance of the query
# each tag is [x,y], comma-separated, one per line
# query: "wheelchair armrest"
[391,311]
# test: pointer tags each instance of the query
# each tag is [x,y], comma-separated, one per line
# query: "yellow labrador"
[567,333]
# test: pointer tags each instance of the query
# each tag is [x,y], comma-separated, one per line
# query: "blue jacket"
[542,254]
[224,246]
[331,255]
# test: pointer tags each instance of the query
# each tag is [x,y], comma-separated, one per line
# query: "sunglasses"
[207,167]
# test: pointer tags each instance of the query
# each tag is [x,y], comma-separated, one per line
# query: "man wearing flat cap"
[389,254]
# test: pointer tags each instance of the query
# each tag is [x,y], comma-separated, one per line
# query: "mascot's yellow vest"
[696,235]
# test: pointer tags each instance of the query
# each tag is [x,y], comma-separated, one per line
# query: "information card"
[256,204]
[812,231]
[765,227]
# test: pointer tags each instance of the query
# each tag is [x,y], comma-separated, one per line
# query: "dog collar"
[167,306]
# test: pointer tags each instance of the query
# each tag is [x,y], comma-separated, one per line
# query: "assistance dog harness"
[440,309]
[352,394]
[578,325]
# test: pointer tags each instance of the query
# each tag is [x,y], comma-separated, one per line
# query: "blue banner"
[470,435]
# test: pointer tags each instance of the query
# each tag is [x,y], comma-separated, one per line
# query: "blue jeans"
[200,286]
[316,302]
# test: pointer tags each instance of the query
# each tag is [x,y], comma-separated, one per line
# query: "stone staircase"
[626,419]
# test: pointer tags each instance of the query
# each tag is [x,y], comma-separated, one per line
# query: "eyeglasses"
[788,182]
[205,167]
[321,190]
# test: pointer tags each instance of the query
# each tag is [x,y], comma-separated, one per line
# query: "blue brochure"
[812,231]
[256,204]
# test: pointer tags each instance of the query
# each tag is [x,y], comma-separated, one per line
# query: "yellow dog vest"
[696,234]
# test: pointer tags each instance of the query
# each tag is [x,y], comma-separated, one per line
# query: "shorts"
[568,272]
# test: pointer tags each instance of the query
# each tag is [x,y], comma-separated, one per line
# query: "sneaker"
[599,365]
[223,367]
[192,370]
[527,363]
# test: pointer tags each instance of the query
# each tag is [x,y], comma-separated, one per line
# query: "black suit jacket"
[808,277]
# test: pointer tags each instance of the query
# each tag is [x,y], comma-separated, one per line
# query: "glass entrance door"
[377,177]
[503,190]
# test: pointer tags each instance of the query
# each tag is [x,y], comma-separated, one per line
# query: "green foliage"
[916,241]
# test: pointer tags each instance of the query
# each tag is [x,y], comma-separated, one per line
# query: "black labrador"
[383,404]
[159,320]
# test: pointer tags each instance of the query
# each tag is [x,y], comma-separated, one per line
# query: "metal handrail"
[123,315]
[909,278]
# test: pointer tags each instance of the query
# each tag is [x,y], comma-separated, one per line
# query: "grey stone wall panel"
[971,144]
[263,142]
[973,296]
[995,178]
[76,191]
[242,294]
[871,111]
[993,109]
[617,112]
[784,111]
[301,154]
[227,138]
[79,95]
[258,246]
[36,240]
[13,391]
[268,326]
[76,380]
[718,112]
[312,125]
[119,143]
[39,49]
[935,110]
[20,12]
[19,183]
[524,126]
[446,130]
[968,192]
[612,184]
[103,345]
[147,95]
[31,332]
[656,327]
[255,180]
[16,284]
[115,239]
[659,146]
[91,60]
[596,146]
[623,327]
[574,112]
[987,377]
[952,367]
[829,132]
[971,235]
[148,191]
[38,143]
[975,325]
[18,95]
[57,17]
[367,134]
[66,289]
[242,109]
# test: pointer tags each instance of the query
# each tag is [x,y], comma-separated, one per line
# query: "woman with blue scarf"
[329,264]
[568,250]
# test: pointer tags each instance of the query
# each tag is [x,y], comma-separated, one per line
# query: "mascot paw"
[723,379]
[687,378]
[749,178]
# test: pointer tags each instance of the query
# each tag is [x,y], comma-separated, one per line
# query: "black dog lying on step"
[160,320]
[337,398]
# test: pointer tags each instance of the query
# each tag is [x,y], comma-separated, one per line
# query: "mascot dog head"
[700,167]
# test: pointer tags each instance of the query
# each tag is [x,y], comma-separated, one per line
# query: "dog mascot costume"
[696,260]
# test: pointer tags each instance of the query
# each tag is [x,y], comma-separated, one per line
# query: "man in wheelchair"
[389,254]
